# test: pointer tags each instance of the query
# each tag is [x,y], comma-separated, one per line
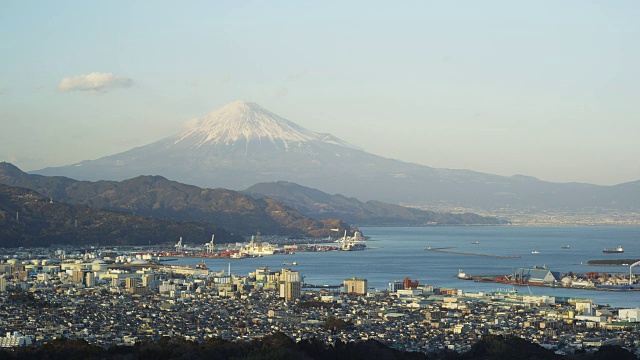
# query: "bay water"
[395,253]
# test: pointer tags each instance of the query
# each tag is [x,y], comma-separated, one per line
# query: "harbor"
[542,276]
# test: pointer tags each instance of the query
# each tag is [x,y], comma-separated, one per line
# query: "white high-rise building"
[289,285]
[90,279]
[355,286]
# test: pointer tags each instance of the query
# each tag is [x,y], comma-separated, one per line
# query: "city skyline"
[544,90]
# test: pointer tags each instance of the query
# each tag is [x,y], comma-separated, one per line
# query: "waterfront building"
[355,286]
[630,315]
[543,276]
[395,286]
[408,284]
[409,292]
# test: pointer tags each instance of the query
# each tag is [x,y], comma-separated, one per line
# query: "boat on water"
[463,276]
[290,263]
[476,242]
[566,247]
[237,255]
[618,250]
[256,248]
[535,252]
[352,243]
[357,237]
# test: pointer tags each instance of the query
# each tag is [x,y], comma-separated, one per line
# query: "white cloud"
[94,82]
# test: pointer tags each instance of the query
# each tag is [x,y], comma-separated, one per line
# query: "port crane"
[179,246]
[631,271]
[209,245]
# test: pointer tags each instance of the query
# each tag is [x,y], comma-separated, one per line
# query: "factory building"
[543,276]
[631,315]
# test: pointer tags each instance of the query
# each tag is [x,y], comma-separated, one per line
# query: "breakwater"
[447,251]
[612,262]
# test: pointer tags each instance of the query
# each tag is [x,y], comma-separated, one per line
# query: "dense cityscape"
[335,180]
[111,299]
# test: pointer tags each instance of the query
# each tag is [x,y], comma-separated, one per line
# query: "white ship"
[256,248]
[463,276]
[352,243]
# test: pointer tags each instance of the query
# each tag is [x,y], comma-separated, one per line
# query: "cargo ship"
[349,243]
[618,250]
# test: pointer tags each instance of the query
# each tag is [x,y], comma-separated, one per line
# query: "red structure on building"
[592,275]
[408,284]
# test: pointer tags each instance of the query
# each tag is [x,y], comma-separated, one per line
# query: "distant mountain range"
[155,196]
[31,219]
[242,144]
[237,213]
[317,204]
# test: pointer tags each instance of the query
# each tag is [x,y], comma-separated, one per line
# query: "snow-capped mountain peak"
[241,120]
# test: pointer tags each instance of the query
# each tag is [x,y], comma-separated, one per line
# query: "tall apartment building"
[290,285]
[355,286]
[290,290]
[131,284]
[90,279]
[77,276]
[147,279]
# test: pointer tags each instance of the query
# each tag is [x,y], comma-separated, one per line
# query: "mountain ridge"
[317,204]
[28,218]
[332,167]
[159,197]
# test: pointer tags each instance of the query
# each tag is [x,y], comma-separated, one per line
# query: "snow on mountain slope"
[242,144]
[242,120]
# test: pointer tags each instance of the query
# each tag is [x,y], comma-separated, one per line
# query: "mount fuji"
[242,144]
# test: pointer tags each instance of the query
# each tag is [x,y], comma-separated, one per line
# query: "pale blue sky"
[547,89]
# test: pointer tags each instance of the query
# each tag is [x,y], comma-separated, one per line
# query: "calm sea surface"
[399,252]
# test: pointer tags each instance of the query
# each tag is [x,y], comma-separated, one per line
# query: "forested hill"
[28,218]
[158,197]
